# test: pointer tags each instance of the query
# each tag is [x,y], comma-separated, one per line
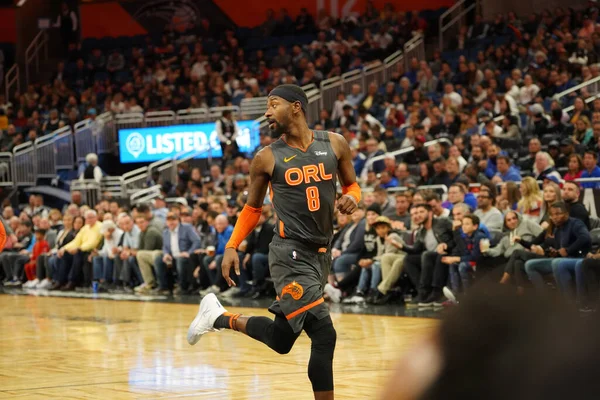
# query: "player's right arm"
[260,175]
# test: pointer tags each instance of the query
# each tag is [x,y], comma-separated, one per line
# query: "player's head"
[285,104]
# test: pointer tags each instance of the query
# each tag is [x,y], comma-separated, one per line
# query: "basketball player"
[300,168]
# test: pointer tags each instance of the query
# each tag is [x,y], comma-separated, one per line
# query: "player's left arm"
[351,193]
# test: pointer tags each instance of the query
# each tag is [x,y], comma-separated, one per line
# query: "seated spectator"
[551,194]
[77,269]
[582,132]
[526,163]
[591,170]
[127,272]
[575,167]
[514,227]
[103,260]
[463,261]
[14,259]
[530,205]
[435,202]
[489,215]
[387,242]
[346,249]
[212,263]
[387,206]
[571,241]
[401,218]
[423,260]
[39,248]
[457,193]
[256,259]
[179,241]
[570,194]
[364,259]
[149,250]
[544,167]
[506,171]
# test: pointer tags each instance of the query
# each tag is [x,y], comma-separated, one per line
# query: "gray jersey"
[303,190]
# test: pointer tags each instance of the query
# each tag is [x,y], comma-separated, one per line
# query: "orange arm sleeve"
[245,224]
[352,190]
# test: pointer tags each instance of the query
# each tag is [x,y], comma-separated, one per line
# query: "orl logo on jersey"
[320,153]
[294,255]
[294,289]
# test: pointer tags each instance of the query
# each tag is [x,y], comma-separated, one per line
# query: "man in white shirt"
[126,267]
[455,98]
[528,91]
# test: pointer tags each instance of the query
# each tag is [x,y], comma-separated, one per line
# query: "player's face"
[278,116]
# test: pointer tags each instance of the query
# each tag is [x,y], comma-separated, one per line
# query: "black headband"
[291,93]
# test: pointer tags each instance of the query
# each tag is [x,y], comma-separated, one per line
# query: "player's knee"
[323,336]
[283,345]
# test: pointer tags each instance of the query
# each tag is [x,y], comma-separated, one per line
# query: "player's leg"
[320,366]
[277,334]
[212,316]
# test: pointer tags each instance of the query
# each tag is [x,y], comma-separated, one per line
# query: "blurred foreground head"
[496,345]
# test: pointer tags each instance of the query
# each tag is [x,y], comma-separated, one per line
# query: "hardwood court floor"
[68,348]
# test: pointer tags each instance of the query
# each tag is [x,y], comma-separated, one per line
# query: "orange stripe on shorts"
[305,308]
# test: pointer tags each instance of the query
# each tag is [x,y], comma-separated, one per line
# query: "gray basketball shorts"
[299,274]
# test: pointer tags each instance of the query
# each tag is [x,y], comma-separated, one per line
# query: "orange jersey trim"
[305,308]
[281,229]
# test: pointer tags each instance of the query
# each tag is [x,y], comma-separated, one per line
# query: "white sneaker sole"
[205,306]
[449,294]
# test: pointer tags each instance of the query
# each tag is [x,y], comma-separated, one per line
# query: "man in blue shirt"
[506,171]
[212,262]
[590,163]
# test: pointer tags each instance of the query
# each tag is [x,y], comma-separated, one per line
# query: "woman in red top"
[575,165]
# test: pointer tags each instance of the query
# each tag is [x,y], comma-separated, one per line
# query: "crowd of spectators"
[199,66]
[497,195]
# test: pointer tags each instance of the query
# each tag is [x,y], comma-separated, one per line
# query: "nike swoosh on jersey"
[286,159]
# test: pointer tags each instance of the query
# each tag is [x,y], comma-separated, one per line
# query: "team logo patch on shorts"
[294,289]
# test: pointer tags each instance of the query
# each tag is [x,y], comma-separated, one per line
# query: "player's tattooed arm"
[348,203]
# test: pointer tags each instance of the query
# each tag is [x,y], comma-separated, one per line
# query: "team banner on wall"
[161,142]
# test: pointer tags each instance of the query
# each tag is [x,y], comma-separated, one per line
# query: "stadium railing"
[378,72]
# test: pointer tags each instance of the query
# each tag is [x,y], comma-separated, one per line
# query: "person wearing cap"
[554,151]
[389,257]
[179,242]
[103,259]
[567,149]
[537,124]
